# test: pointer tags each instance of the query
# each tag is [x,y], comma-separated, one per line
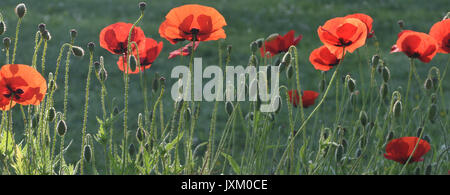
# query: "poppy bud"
[375,60]
[397,108]
[162,82]
[253,46]
[363,118]
[401,24]
[289,72]
[287,58]
[433,98]
[427,138]
[140,134]
[73,33]
[87,153]
[260,42]
[383,90]
[386,74]
[61,127]
[51,113]
[187,114]
[155,83]
[41,27]
[91,46]
[339,153]
[272,37]
[142,6]
[6,42]
[428,170]
[2,27]
[102,74]
[419,131]
[139,120]
[432,112]
[389,136]
[97,66]
[46,35]
[52,85]
[351,85]
[131,149]
[77,51]
[428,83]
[229,107]
[21,10]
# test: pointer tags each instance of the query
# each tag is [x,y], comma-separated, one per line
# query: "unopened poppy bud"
[51,113]
[272,37]
[432,112]
[277,104]
[133,62]
[42,27]
[419,131]
[433,98]
[375,60]
[162,82]
[97,66]
[351,85]
[254,46]
[428,83]
[2,27]
[61,127]
[142,6]
[435,80]
[50,76]
[77,51]
[229,107]
[289,72]
[187,114]
[155,83]
[339,153]
[139,120]
[73,33]
[363,118]
[140,134]
[386,74]
[390,136]
[260,42]
[397,109]
[383,90]
[6,42]
[52,85]
[91,46]
[428,170]
[401,24]
[21,10]
[287,58]
[131,149]
[46,35]
[87,153]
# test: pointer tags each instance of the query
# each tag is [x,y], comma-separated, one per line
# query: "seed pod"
[397,108]
[87,153]
[289,72]
[131,149]
[363,118]
[229,107]
[428,170]
[61,127]
[77,51]
[375,60]
[389,136]
[91,46]
[432,112]
[254,46]
[142,6]
[21,10]
[428,84]
[386,74]
[6,42]
[351,85]
[401,24]
[51,114]
[2,27]
[140,134]
[384,90]
[419,131]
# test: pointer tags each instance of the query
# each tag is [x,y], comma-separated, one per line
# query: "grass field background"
[247,21]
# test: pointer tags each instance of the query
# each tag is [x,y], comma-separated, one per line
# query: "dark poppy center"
[15,93]
[343,43]
[121,48]
[334,64]
[415,55]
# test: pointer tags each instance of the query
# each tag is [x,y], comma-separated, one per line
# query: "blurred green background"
[247,21]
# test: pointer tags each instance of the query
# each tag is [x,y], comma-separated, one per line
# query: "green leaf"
[170,145]
[233,163]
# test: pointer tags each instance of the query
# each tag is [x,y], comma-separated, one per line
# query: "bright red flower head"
[184,51]
[400,149]
[114,37]
[322,59]
[441,32]
[416,45]
[367,20]
[280,43]
[22,84]
[183,22]
[308,98]
[147,54]
[338,33]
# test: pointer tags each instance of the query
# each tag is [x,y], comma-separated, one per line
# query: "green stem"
[16,40]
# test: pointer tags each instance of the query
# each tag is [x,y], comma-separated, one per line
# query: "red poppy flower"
[367,20]
[280,43]
[400,149]
[338,33]
[22,84]
[183,22]
[308,98]
[323,59]
[184,51]
[441,32]
[416,45]
[114,37]
[147,54]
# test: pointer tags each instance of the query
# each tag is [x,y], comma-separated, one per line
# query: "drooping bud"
[427,138]
[272,37]
[87,153]
[397,109]
[46,35]
[142,6]
[42,27]
[419,131]
[73,33]
[51,114]
[351,84]
[428,83]
[140,134]
[254,46]
[386,74]
[260,42]
[115,111]
[363,118]
[21,10]
[287,58]
[2,27]
[61,127]
[91,46]
[278,103]
[401,24]
[375,60]
[6,42]
[229,107]
[339,153]
[77,51]
[432,112]
[162,82]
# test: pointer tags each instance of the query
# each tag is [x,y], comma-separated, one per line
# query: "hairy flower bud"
[229,107]
[386,74]
[42,27]
[61,127]
[397,109]
[363,118]
[351,84]
[21,10]
[73,33]
[51,113]
[91,46]
[289,72]
[375,60]
[102,74]
[260,42]
[46,35]
[142,6]
[87,153]
[419,131]
[77,51]
[140,134]
[2,27]
[428,83]
[432,112]
[6,42]
[254,46]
